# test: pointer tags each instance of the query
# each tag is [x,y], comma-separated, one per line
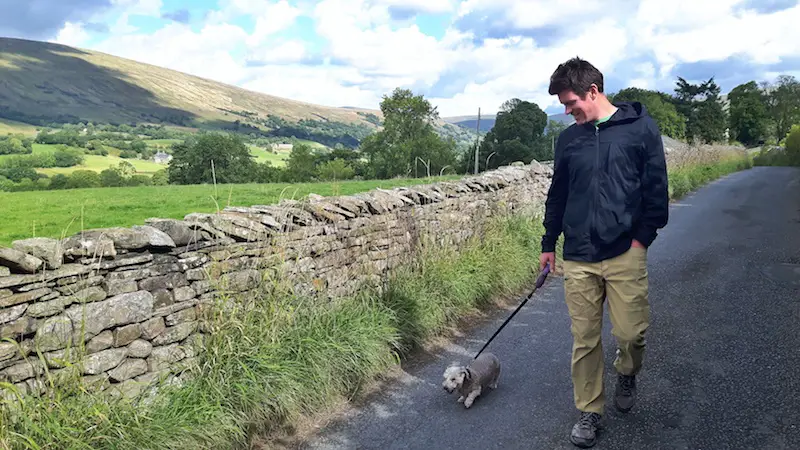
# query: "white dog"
[470,380]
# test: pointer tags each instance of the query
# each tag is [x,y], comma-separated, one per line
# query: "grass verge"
[272,362]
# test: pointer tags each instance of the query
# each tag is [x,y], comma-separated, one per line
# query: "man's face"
[582,109]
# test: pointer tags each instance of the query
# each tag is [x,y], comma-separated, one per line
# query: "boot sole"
[582,443]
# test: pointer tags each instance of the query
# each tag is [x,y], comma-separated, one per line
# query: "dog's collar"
[469,373]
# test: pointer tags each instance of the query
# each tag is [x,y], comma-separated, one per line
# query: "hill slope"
[44,82]
[487,121]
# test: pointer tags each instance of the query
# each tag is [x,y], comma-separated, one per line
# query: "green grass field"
[10,126]
[53,213]
[94,162]
[262,155]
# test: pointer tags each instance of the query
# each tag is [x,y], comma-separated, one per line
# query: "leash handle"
[539,283]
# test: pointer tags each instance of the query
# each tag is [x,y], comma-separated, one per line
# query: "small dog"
[470,380]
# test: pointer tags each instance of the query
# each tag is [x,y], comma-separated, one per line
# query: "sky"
[460,54]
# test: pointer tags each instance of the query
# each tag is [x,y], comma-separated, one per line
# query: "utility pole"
[477,138]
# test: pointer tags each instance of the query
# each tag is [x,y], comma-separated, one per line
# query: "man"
[609,196]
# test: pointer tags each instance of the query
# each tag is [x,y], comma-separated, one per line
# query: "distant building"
[162,157]
[281,146]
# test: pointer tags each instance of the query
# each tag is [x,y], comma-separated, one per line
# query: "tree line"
[757,113]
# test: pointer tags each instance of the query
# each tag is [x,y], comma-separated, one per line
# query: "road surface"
[722,367]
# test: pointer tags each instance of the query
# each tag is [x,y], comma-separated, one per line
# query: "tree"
[748,114]
[783,102]
[700,104]
[517,135]
[301,165]
[659,105]
[407,140]
[193,159]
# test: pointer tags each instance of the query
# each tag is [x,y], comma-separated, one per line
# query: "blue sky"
[461,54]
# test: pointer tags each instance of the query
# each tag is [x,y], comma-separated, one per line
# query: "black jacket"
[609,186]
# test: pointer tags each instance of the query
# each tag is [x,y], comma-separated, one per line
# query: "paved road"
[723,359]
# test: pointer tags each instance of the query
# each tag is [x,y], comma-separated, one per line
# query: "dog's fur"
[470,380]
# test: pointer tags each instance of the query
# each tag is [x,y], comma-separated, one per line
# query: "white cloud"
[176,46]
[420,6]
[139,7]
[72,34]
[287,52]
[365,54]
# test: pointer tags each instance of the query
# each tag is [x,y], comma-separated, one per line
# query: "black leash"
[539,283]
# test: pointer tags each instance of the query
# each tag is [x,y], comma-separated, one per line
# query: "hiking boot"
[625,396]
[584,431]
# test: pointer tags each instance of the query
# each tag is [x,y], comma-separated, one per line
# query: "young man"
[609,197]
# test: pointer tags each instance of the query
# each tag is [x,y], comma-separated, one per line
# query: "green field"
[263,155]
[94,162]
[53,213]
[9,126]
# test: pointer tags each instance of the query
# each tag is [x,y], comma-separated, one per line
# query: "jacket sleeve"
[556,200]
[655,193]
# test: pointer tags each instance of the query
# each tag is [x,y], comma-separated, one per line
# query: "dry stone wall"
[123,305]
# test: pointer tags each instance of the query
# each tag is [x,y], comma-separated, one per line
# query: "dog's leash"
[539,283]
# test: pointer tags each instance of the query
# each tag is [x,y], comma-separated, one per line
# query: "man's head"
[579,86]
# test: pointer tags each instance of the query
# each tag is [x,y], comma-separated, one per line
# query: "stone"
[100,362]
[184,293]
[126,334]
[129,368]
[184,315]
[175,334]
[126,260]
[88,295]
[140,348]
[20,327]
[12,313]
[65,271]
[153,327]
[100,342]
[156,238]
[23,371]
[19,262]
[162,358]
[7,350]
[162,297]
[119,310]
[49,308]
[238,227]
[54,334]
[178,230]
[92,244]
[170,281]
[47,249]
[79,285]
[240,281]
[4,271]
[120,287]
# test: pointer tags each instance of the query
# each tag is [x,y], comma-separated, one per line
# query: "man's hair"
[577,75]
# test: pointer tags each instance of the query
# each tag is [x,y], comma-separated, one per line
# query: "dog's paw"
[460,399]
[468,403]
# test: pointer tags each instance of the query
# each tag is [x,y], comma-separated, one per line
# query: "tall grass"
[690,169]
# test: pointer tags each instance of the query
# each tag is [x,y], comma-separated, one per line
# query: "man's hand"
[637,244]
[548,257]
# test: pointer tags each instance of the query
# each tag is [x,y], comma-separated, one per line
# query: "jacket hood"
[628,111]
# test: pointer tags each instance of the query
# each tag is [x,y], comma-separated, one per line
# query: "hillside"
[45,82]
[487,121]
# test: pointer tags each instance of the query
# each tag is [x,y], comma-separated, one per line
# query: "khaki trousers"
[623,280]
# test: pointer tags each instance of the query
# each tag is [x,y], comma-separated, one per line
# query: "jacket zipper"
[596,183]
